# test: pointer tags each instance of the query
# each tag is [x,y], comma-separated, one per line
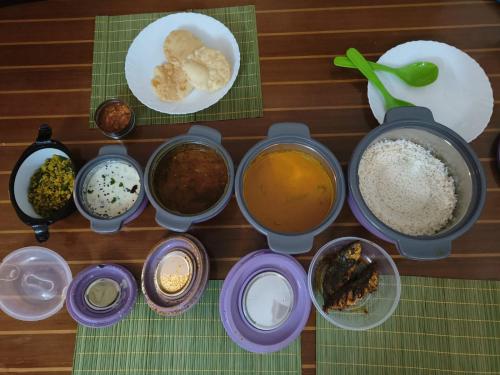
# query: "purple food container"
[114,224]
[417,125]
[176,304]
[81,310]
[232,309]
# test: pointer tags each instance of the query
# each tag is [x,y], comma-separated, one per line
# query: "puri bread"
[170,83]
[179,44]
[207,69]
[197,74]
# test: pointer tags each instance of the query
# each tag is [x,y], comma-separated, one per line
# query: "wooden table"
[45,77]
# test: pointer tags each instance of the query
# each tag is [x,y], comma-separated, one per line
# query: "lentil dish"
[51,186]
[190,179]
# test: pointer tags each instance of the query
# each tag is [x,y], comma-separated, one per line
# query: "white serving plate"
[146,52]
[461,98]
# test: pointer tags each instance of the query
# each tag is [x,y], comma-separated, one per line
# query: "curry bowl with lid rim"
[207,138]
[286,137]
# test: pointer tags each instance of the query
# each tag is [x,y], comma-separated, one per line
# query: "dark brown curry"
[190,179]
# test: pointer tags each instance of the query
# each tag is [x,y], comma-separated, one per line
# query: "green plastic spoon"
[360,62]
[417,74]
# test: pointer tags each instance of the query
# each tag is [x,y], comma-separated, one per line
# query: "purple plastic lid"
[233,319]
[79,308]
[175,306]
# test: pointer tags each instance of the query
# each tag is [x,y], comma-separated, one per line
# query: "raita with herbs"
[111,189]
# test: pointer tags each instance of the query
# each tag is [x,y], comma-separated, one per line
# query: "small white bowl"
[146,52]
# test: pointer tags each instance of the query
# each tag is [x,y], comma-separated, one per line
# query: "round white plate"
[461,98]
[146,52]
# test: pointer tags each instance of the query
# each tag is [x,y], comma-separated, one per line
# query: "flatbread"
[179,44]
[170,83]
[207,69]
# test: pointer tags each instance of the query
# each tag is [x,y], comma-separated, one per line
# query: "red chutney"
[114,117]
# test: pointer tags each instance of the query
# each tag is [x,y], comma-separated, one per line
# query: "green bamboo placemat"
[113,36]
[193,343]
[441,326]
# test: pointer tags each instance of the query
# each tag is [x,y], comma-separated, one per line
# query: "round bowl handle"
[101,226]
[44,134]
[41,232]
[206,132]
[175,223]
[414,249]
[290,244]
[289,128]
[113,149]
[408,114]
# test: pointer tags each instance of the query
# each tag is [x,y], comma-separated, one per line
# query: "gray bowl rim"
[457,142]
[384,253]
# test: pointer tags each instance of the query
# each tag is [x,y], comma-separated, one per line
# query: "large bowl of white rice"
[416,183]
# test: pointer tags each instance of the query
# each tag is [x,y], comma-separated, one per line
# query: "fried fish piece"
[344,278]
[364,280]
[339,267]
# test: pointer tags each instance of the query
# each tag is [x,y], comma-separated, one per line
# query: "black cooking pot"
[29,162]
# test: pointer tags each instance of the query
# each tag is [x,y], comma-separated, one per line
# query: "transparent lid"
[268,300]
[33,283]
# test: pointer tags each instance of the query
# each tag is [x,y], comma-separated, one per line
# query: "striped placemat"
[193,343]
[441,326]
[113,36]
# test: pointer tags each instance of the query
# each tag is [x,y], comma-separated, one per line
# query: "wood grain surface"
[45,77]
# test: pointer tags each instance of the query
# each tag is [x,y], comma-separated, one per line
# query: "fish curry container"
[292,136]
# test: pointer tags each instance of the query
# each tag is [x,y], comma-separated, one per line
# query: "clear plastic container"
[375,308]
[33,283]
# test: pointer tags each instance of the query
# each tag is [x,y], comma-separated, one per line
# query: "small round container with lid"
[101,295]
[33,283]
[114,118]
[109,190]
[175,275]
[374,308]
[264,303]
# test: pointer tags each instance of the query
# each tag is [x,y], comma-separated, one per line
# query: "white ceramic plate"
[461,98]
[146,52]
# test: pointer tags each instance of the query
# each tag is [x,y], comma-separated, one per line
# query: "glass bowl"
[375,308]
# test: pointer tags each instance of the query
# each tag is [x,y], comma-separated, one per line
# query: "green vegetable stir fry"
[51,186]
